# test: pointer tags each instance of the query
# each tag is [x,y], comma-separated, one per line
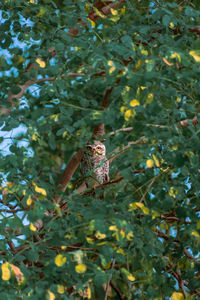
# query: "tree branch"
[186,123]
[68,173]
[148,188]
[119,151]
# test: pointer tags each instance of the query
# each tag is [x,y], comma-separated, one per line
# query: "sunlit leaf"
[195,55]
[32,227]
[40,190]
[51,296]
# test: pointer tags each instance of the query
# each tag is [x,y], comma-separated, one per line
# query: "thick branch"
[68,173]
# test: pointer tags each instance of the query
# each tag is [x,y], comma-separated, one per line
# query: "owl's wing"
[106,177]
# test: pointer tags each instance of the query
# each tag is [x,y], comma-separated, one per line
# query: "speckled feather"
[94,166]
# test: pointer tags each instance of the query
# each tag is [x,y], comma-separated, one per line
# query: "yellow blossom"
[60,260]
[100,235]
[177,296]
[114,12]
[149,163]
[128,114]
[122,108]
[60,289]
[6,274]
[81,268]
[41,63]
[113,227]
[134,102]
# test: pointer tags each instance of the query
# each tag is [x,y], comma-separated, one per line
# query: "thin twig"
[108,284]
[148,188]
[119,294]
[119,150]
[127,129]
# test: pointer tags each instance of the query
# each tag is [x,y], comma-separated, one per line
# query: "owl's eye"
[98,148]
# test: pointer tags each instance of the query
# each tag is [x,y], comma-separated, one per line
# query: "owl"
[94,165]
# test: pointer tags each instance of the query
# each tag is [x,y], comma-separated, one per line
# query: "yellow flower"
[114,12]
[128,114]
[34,137]
[112,66]
[122,108]
[149,163]
[177,296]
[81,268]
[6,274]
[112,70]
[134,102]
[100,235]
[113,227]
[60,289]
[63,247]
[173,192]
[145,52]
[60,260]
[41,63]
[171,25]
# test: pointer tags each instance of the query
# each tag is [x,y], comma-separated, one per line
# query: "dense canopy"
[126,73]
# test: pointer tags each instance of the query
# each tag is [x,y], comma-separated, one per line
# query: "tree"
[126,73]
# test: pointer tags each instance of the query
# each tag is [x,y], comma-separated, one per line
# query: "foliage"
[67,67]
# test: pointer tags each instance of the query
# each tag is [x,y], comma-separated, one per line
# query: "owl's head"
[96,149]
